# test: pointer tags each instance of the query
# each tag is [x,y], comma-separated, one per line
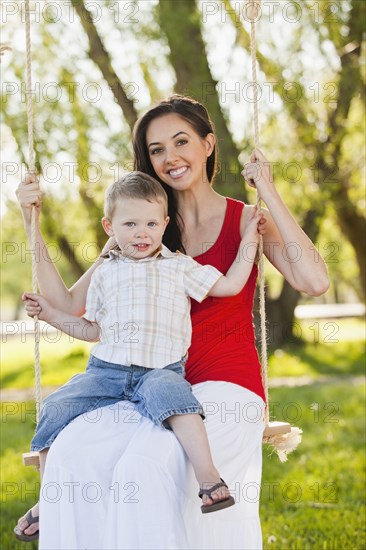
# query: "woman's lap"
[132,488]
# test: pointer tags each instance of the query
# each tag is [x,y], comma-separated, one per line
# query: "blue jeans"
[157,393]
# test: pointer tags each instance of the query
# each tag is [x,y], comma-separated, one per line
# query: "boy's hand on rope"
[37,305]
[28,194]
[261,227]
[258,174]
[255,226]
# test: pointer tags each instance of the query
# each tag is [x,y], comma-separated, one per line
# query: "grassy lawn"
[314,501]
[60,360]
[20,485]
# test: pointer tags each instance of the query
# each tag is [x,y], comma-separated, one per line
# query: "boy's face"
[138,227]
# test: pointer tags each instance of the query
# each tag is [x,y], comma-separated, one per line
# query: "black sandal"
[20,535]
[217,505]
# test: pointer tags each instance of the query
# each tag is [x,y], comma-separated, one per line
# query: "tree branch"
[102,59]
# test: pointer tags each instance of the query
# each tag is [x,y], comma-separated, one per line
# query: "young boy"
[138,309]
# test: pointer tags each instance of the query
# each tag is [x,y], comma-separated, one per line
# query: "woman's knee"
[153,447]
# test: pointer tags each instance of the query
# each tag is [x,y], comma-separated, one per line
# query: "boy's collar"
[161,251]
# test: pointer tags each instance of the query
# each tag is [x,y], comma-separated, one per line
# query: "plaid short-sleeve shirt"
[143,306]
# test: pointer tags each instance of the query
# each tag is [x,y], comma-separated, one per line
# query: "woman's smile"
[177,173]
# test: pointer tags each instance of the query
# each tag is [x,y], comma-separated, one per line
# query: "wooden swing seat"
[276,428]
[273,428]
[31,459]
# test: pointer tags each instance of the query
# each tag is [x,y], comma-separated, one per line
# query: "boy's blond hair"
[134,185]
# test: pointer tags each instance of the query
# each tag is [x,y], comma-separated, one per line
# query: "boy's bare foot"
[24,527]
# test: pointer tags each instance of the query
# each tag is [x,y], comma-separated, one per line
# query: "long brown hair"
[197,116]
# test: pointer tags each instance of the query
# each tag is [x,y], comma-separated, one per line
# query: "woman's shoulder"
[237,212]
[235,202]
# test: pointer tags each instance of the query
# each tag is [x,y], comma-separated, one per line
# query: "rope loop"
[252,10]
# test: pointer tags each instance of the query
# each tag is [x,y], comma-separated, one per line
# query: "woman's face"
[177,153]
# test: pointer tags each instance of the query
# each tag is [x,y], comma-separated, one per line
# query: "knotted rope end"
[284,444]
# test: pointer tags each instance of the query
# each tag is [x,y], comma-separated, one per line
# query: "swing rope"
[287,438]
[253,8]
[32,170]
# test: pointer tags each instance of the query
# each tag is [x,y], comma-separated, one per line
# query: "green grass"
[60,360]
[329,347]
[19,485]
[316,499]
[315,360]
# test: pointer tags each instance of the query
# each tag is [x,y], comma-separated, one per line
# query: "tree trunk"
[281,326]
[76,268]
[354,227]
[352,222]
[54,232]
[180,21]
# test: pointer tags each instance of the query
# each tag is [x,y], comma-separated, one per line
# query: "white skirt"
[115,481]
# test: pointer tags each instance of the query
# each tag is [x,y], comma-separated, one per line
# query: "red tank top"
[223,340]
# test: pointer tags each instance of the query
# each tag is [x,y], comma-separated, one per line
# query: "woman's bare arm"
[50,282]
[286,245]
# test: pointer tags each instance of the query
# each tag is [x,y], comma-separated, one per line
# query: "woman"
[117,481]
